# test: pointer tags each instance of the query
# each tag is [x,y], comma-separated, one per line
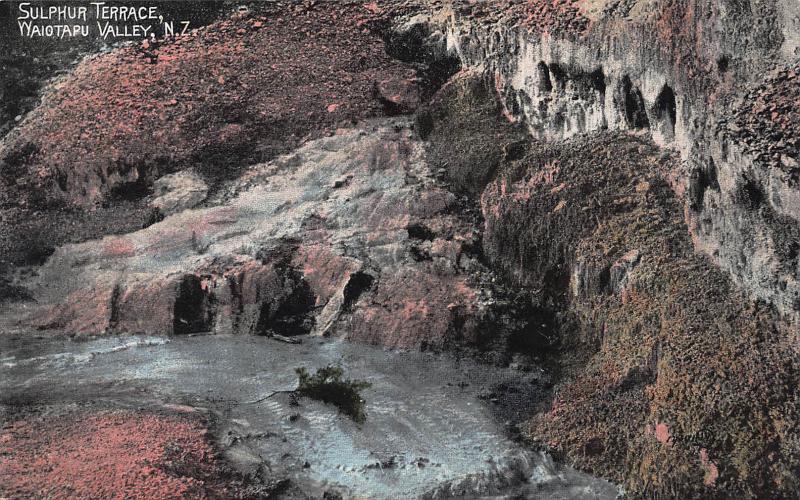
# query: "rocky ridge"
[670,70]
[350,236]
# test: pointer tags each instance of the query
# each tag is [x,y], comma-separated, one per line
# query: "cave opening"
[189,315]
[558,73]
[597,80]
[633,105]
[723,62]
[291,314]
[358,283]
[665,111]
[749,193]
[702,178]
[545,84]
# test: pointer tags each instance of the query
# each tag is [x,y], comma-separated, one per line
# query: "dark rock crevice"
[665,112]
[701,179]
[633,105]
[416,44]
[358,283]
[749,193]
[190,311]
[291,314]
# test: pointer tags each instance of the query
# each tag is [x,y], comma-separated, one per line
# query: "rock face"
[349,235]
[248,87]
[672,380]
[672,68]
[177,192]
[668,358]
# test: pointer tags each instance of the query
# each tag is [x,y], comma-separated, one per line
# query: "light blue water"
[426,428]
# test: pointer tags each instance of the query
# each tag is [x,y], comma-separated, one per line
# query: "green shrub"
[328,386]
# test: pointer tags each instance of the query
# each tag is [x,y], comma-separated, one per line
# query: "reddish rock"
[411,308]
[146,306]
[86,311]
[661,433]
[325,271]
[710,468]
[110,454]
[242,294]
[129,121]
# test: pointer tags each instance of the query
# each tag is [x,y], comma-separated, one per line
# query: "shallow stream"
[429,430]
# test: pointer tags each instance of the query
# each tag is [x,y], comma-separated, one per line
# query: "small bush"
[327,386]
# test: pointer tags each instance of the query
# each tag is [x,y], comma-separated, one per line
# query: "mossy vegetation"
[329,386]
[687,385]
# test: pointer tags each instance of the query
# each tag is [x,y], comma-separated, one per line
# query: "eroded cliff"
[667,354]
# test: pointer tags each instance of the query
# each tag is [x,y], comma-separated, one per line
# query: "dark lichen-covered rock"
[468,136]
[767,120]
[687,386]
[533,237]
